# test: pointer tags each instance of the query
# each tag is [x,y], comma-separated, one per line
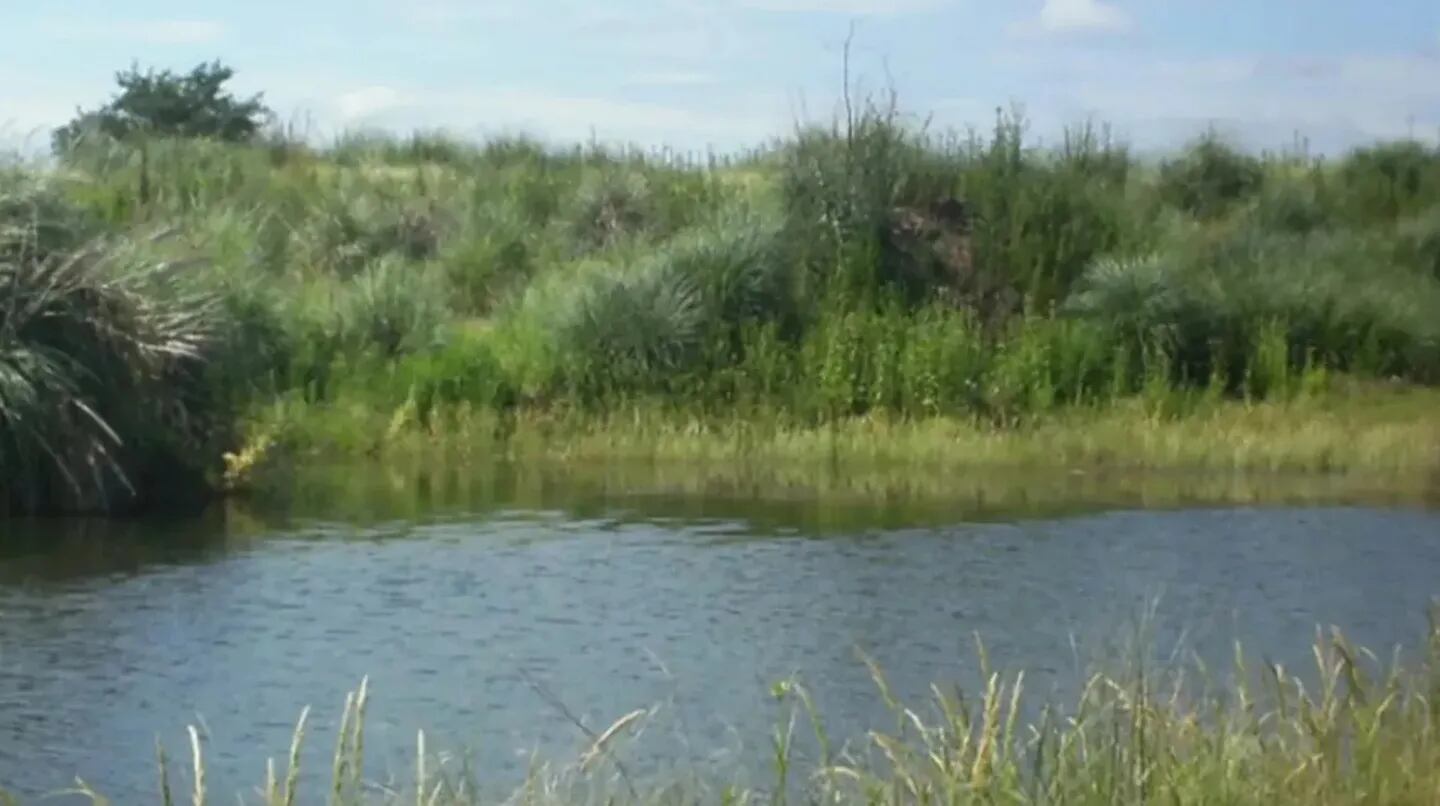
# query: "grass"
[1351,730]
[974,294]
[1381,434]
[96,340]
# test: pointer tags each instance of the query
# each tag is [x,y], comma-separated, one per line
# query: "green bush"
[841,188]
[488,262]
[1389,180]
[1417,241]
[464,369]
[1045,362]
[609,206]
[392,307]
[1214,301]
[1210,177]
[1289,204]
[101,358]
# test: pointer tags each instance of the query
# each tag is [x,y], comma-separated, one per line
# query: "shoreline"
[1389,434]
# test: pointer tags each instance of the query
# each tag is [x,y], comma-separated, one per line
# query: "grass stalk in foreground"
[1353,730]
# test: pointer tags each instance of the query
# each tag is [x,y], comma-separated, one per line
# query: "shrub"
[737,270]
[464,370]
[1417,241]
[392,307]
[359,223]
[1289,205]
[841,189]
[1389,180]
[1210,177]
[493,256]
[1216,301]
[608,206]
[100,358]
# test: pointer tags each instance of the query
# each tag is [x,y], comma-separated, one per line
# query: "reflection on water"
[459,589]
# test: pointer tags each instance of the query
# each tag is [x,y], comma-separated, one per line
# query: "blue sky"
[725,73]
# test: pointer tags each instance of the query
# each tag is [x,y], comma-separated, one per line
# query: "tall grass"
[872,267]
[1353,729]
[101,356]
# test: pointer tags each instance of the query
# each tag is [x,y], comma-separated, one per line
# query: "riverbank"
[1385,433]
[863,289]
[1350,730]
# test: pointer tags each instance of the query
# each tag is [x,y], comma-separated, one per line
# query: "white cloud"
[1335,101]
[365,102]
[1083,16]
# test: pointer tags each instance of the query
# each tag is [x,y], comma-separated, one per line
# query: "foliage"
[870,267]
[1337,299]
[1389,180]
[1209,177]
[169,104]
[100,353]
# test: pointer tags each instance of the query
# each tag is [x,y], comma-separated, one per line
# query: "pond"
[485,604]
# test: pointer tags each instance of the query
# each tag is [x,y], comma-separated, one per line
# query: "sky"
[724,74]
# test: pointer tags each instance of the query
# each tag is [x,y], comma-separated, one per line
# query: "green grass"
[821,284]
[1361,431]
[1353,729]
[102,347]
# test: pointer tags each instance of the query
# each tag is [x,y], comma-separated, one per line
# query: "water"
[483,605]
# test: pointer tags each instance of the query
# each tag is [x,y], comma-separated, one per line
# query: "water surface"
[475,600]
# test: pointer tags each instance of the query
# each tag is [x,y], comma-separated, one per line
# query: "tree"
[171,105]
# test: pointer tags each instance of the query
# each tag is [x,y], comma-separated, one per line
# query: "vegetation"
[165,104]
[867,271]
[1352,730]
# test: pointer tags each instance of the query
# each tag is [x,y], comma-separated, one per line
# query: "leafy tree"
[170,104]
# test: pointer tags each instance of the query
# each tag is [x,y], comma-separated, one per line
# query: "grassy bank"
[864,289]
[1350,730]
[1380,431]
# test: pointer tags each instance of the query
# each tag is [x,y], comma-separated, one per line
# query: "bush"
[392,307]
[101,403]
[841,189]
[663,321]
[1210,177]
[492,257]
[1043,217]
[36,218]
[1214,300]
[609,206]
[1290,205]
[362,221]
[1390,180]
[1045,362]
[988,225]
[1417,242]
[737,270]
[464,370]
